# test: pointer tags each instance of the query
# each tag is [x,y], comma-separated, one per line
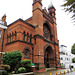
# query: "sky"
[15,9]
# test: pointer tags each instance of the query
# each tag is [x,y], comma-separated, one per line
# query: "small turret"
[51,10]
[3,23]
[4,18]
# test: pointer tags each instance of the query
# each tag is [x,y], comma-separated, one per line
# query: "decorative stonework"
[46,32]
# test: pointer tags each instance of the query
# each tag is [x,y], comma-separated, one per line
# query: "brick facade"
[37,42]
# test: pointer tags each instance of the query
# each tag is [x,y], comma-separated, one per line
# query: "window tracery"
[46,31]
[26,53]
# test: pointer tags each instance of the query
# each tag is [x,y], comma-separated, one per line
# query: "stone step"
[49,69]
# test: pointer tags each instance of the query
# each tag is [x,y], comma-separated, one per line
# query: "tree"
[73,49]
[12,58]
[73,60]
[70,7]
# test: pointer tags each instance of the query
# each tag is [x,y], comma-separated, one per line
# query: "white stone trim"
[2,52]
[2,26]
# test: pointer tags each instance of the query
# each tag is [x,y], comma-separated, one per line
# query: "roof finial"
[51,1]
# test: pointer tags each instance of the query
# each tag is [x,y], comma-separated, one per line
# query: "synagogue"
[35,37]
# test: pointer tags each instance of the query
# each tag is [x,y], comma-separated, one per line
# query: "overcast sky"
[15,9]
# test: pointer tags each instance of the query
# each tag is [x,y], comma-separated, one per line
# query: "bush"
[6,67]
[27,64]
[21,70]
[12,59]
[73,60]
[4,72]
[13,72]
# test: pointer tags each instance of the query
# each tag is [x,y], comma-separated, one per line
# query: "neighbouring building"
[66,57]
[35,37]
[3,27]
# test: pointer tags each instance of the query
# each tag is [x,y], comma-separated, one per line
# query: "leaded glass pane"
[46,32]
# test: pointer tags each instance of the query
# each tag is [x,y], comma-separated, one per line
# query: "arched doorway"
[48,54]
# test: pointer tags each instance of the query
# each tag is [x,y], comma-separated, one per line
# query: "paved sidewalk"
[54,72]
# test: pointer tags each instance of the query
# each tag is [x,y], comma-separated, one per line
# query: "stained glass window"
[46,31]
[26,53]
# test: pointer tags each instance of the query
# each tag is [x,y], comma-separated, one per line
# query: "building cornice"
[3,27]
[19,41]
[42,37]
[22,21]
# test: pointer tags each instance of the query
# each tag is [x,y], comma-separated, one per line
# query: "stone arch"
[26,48]
[47,46]
[47,24]
[47,30]
[48,55]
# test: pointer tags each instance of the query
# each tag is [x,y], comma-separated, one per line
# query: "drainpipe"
[2,44]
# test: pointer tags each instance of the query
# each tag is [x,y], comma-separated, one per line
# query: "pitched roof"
[22,21]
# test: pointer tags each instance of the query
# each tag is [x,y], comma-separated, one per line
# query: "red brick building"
[35,37]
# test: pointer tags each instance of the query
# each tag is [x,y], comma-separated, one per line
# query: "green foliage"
[12,58]
[27,64]
[13,72]
[6,67]
[73,49]
[70,6]
[21,70]
[73,60]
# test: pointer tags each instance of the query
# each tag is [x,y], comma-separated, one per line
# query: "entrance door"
[47,57]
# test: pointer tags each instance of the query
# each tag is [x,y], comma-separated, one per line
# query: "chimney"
[4,18]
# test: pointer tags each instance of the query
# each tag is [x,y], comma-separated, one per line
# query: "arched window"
[30,38]
[26,52]
[15,35]
[46,31]
[12,37]
[24,36]
[27,36]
